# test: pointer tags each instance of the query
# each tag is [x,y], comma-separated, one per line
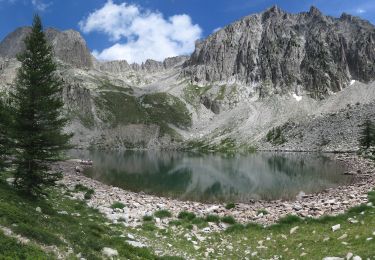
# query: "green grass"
[162,109]
[228,220]
[239,241]
[193,93]
[148,218]
[117,205]
[163,214]
[213,218]
[89,232]
[221,93]
[88,192]
[230,206]
[226,146]
[186,215]
[10,248]
[85,232]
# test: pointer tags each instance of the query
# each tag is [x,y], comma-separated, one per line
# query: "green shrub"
[289,219]
[276,136]
[88,194]
[213,218]
[235,228]
[186,215]
[163,214]
[262,211]
[117,205]
[148,218]
[230,206]
[228,220]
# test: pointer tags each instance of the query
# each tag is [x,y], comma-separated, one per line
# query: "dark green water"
[190,176]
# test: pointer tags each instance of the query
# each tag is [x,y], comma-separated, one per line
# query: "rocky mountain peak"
[69,46]
[315,11]
[278,52]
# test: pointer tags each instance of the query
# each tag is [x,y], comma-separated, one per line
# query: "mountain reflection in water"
[211,177]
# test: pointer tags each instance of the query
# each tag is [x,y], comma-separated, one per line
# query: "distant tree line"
[32,122]
[367,136]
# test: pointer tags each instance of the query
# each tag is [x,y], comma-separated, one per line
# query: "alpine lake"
[216,177]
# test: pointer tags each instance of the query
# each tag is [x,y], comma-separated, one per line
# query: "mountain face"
[68,46]
[279,52]
[268,70]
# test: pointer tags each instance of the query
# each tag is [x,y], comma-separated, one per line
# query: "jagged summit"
[69,46]
[279,52]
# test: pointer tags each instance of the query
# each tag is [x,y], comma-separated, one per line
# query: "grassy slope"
[313,239]
[120,108]
[89,232]
[11,249]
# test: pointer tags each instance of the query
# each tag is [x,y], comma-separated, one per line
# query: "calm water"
[190,176]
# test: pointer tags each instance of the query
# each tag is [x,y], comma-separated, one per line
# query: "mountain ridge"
[155,105]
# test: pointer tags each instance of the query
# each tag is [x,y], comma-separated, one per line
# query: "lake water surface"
[190,176]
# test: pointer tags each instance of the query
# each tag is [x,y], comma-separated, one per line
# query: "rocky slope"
[307,75]
[278,52]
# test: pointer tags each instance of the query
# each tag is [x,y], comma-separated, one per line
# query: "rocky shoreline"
[331,201]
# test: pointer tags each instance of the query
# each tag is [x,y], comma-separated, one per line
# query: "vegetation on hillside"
[226,146]
[275,136]
[162,109]
[367,136]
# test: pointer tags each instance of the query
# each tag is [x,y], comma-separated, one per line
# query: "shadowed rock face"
[69,46]
[288,52]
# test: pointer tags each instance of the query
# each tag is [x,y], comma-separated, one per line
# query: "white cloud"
[40,5]
[140,34]
[360,11]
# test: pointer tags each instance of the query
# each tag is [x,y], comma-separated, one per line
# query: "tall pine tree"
[38,120]
[367,137]
[5,140]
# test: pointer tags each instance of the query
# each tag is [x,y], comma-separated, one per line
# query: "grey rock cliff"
[281,52]
[69,46]
[149,66]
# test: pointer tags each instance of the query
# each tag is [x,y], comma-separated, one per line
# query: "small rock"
[38,209]
[130,236]
[343,237]
[135,243]
[333,258]
[349,256]
[336,227]
[292,230]
[62,213]
[109,252]
[369,238]
[357,258]
[206,230]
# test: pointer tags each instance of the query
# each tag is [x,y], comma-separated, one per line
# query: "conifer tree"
[5,141]
[367,137]
[38,120]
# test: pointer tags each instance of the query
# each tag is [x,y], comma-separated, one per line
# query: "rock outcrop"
[69,46]
[149,66]
[280,52]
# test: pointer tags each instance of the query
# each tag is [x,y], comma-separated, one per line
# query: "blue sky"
[140,29]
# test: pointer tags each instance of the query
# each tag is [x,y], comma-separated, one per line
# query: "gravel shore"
[331,201]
